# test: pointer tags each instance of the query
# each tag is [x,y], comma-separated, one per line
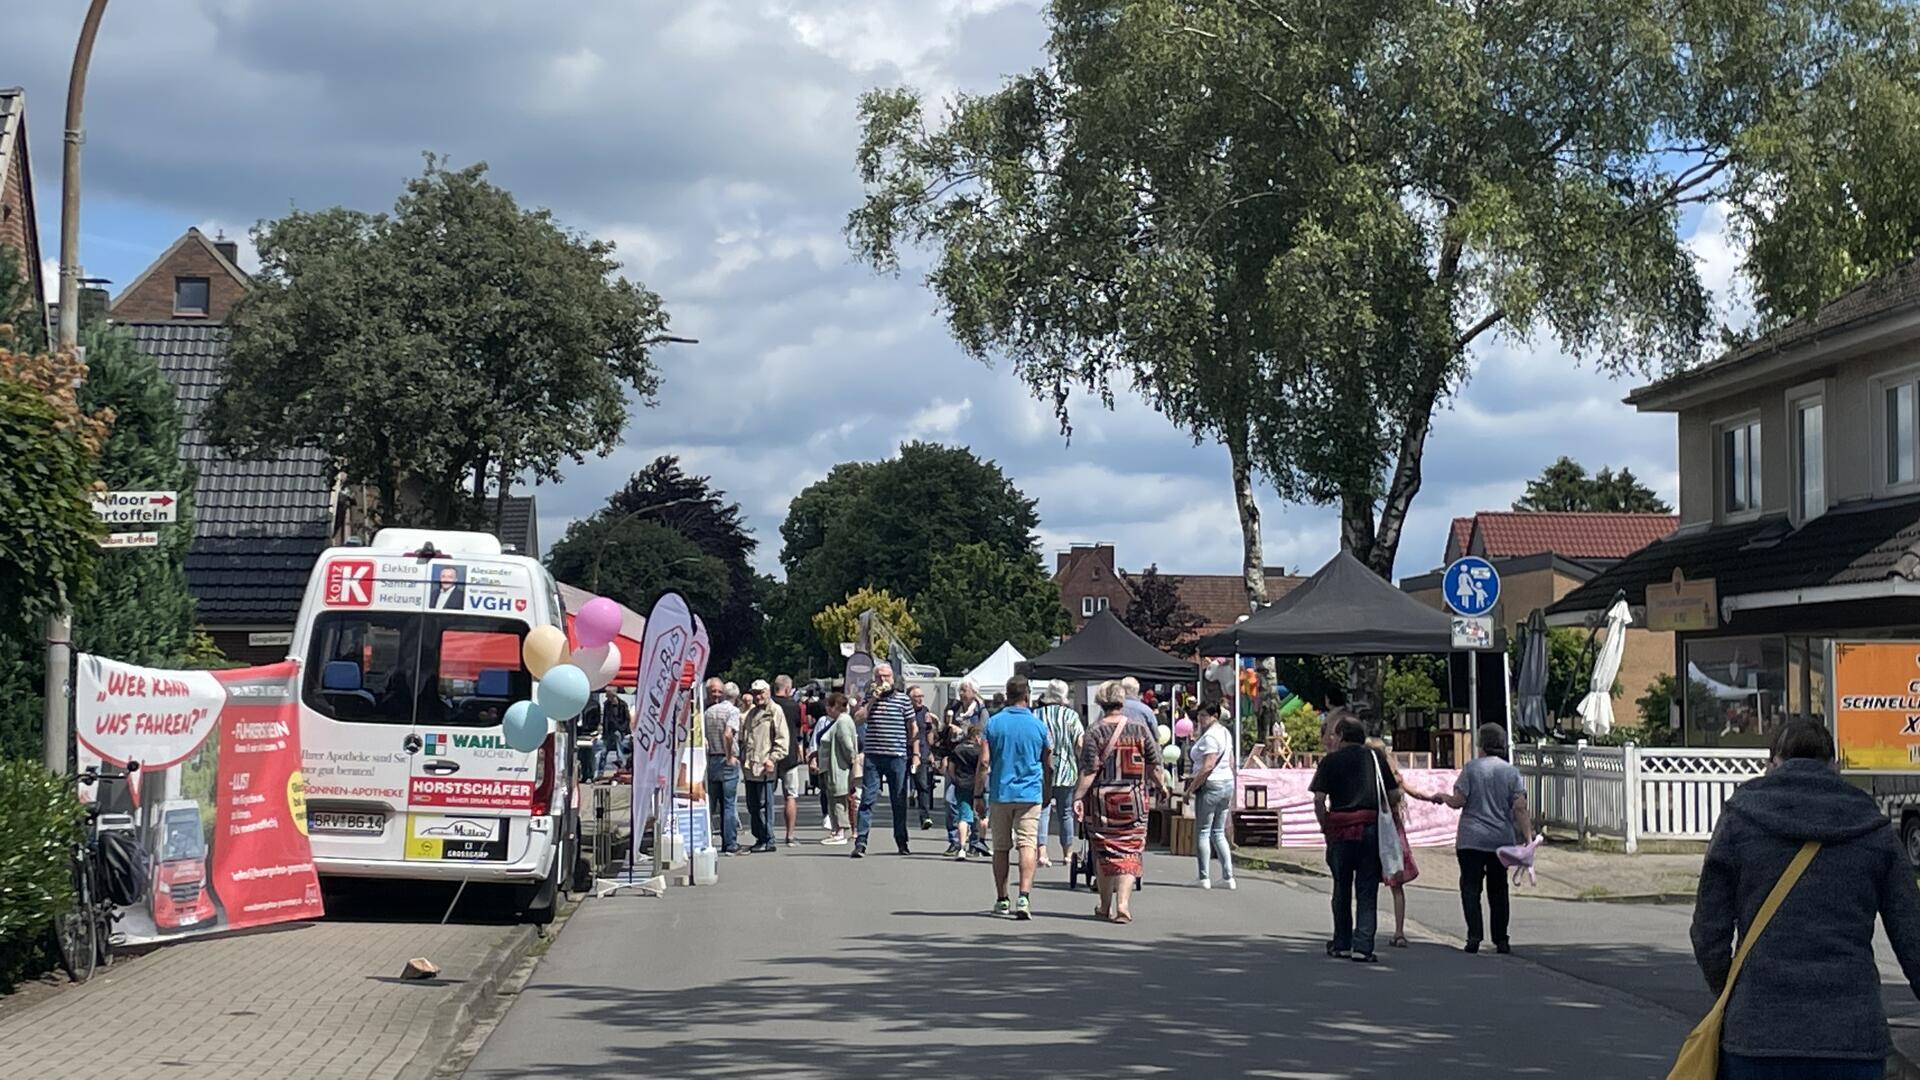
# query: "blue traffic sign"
[1471,586]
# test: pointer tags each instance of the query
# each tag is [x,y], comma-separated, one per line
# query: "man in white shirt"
[722,718]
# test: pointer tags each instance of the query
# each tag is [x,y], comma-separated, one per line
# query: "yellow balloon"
[546,647]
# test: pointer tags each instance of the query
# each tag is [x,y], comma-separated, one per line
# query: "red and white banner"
[218,803]
[663,655]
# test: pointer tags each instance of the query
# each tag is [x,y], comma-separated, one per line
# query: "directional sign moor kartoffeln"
[136,507]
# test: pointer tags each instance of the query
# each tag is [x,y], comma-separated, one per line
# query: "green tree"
[634,560]
[881,523]
[783,639]
[1565,485]
[1158,613]
[840,622]
[1354,196]
[439,352]
[22,325]
[977,598]
[694,508]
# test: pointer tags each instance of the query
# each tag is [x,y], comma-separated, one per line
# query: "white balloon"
[601,663]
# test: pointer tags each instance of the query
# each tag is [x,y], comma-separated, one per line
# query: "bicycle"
[83,934]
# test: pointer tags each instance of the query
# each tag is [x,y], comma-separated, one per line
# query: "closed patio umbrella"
[1531,682]
[1596,709]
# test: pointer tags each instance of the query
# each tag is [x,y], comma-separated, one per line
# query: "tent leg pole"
[1506,664]
[1473,690]
[1238,736]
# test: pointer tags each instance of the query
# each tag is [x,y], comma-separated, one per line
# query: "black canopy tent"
[1345,609]
[1106,649]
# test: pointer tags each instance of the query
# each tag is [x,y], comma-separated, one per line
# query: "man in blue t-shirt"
[1009,788]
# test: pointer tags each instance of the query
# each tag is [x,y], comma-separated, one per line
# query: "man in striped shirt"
[1064,728]
[892,752]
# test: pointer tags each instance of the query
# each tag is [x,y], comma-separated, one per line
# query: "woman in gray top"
[1807,1003]
[1493,814]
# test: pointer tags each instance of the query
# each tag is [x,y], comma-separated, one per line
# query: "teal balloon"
[526,726]
[563,691]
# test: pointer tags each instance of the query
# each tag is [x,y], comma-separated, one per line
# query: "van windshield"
[397,667]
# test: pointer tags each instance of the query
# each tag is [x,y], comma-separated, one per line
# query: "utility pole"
[58,687]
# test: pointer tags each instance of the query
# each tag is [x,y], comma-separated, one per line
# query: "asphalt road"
[805,963]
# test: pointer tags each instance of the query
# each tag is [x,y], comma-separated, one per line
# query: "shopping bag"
[1700,1055]
[1391,860]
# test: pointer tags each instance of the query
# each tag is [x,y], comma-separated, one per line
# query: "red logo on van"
[349,583]
[519,605]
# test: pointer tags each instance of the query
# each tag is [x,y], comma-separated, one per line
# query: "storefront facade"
[1799,500]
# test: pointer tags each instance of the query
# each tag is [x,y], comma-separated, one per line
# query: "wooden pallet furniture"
[1254,828]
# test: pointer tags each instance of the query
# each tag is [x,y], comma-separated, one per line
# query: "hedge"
[41,819]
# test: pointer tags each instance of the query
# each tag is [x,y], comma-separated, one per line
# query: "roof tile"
[1500,534]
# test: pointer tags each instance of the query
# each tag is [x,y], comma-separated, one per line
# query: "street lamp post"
[58,685]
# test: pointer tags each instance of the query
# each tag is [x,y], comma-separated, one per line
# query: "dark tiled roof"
[1871,542]
[258,525]
[1890,292]
[1222,598]
[518,525]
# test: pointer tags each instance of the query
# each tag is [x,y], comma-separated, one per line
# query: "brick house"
[1544,557]
[19,228]
[196,281]
[1090,582]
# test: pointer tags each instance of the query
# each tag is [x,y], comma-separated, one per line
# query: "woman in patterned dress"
[1118,758]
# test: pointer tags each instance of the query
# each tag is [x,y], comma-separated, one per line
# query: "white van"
[410,653]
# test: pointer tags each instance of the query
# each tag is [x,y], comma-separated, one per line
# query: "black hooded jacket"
[1810,986]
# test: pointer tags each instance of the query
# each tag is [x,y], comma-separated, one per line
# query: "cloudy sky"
[713,141]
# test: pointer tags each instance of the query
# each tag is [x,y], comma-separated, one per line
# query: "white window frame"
[1883,484]
[1721,464]
[1101,603]
[1086,607]
[1813,393]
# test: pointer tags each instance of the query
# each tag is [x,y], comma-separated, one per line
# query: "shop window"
[1810,458]
[1740,467]
[1737,689]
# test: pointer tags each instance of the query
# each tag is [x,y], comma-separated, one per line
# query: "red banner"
[262,865]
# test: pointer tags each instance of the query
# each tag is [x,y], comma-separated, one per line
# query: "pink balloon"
[597,622]
[1182,728]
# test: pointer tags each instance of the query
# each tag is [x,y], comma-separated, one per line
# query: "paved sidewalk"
[320,1000]
[1565,873]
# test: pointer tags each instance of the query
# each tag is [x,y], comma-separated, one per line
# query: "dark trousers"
[1477,867]
[826,800]
[893,770]
[1356,890]
[1738,1067]
[923,790]
[760,809]
[723,792]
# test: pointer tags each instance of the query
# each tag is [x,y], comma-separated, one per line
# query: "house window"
[1740,467]
[1086,607]
[1900,435]
[189,296]
[1810,457]
[1103,603]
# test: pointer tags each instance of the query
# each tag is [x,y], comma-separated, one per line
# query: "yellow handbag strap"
[1788,879]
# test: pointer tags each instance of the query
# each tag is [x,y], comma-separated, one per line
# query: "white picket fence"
[1633,792]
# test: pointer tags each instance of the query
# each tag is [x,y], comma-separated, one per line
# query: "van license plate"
[334,821]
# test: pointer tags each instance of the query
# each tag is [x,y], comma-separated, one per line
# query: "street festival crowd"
[1012,774]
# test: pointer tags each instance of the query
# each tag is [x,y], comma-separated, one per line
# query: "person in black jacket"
[1807,1002]
[793,767]
[616,727]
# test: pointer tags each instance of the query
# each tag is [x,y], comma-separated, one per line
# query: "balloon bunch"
[564,680]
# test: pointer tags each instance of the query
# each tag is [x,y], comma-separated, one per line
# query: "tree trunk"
[1253,554]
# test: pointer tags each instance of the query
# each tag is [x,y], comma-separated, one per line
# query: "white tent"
[990,676]
[1596,709]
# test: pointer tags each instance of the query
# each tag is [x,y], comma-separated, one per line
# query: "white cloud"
[939,420]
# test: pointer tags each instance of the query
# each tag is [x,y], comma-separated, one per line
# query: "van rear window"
[387,667]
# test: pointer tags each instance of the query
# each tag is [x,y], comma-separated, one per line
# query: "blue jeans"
[723,789]
[953,817]
[1059,802]
[760,809]
[1356,891]
[894,770]
[1739,1067]
[1210,809]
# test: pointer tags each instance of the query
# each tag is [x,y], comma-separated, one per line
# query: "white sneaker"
[826,823]
[834,841]
[1202,883]
[1229,885]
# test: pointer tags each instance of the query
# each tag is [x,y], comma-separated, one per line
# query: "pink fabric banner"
[1428,824]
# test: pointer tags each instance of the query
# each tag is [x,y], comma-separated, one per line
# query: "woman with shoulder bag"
[1800,865]
[1210,786]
